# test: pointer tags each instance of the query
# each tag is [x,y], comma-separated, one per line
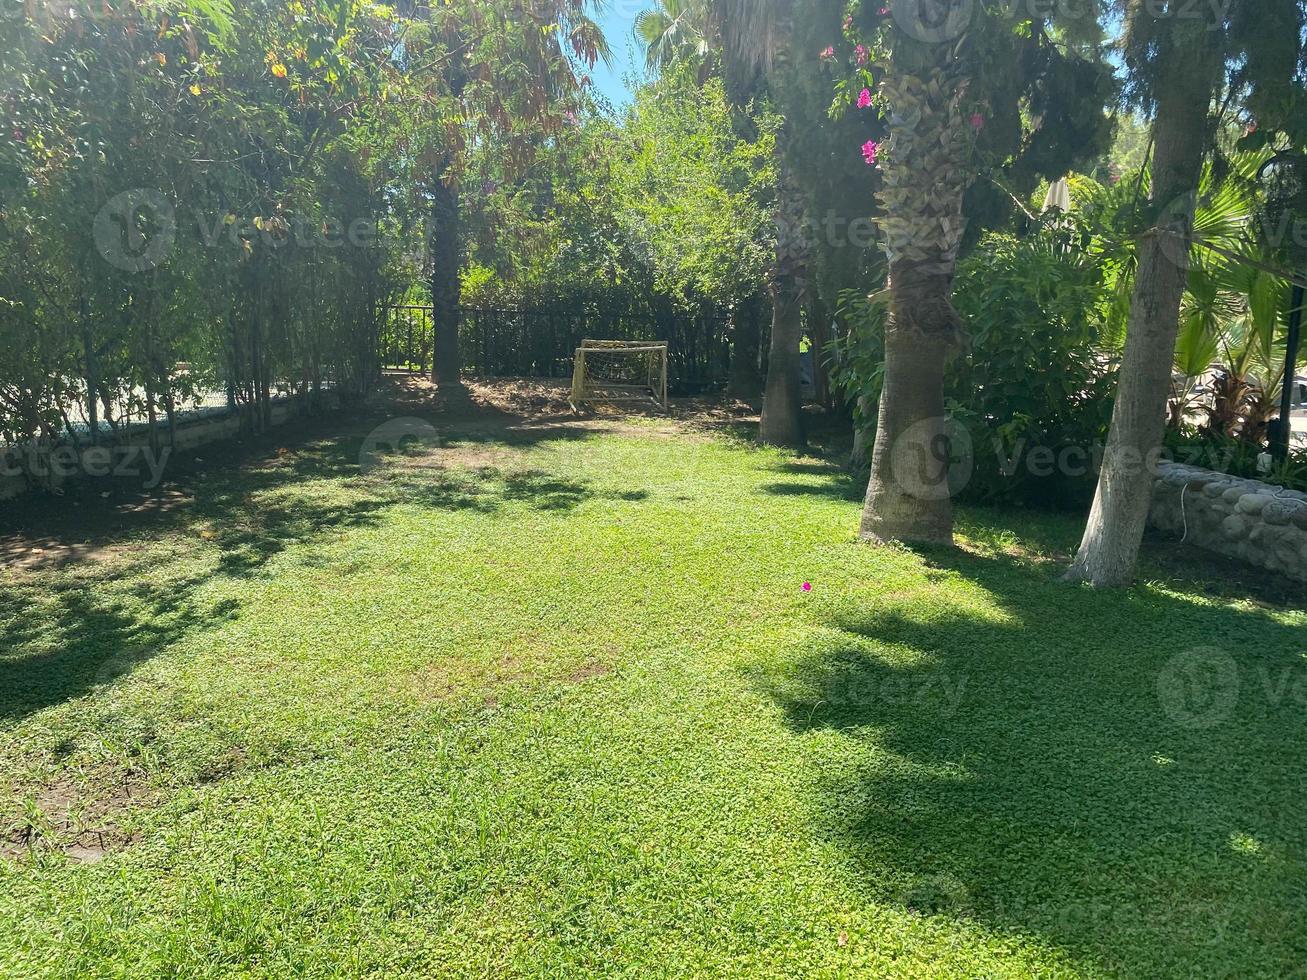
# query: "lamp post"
[1285,433]
[1285,178]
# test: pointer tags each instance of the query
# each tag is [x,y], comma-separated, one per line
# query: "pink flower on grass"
[828,53]
[860,54]
[807,586]
[864,99]
[869,151]
[977,120]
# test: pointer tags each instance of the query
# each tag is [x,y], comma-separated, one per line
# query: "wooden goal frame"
[655,390]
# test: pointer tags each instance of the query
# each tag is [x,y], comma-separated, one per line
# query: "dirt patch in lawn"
[588,671]
[81,818]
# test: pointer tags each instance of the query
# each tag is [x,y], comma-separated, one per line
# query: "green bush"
[1237,457]
[1032,380]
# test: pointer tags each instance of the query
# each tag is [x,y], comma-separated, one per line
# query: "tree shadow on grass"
[1118,774]
[72,623]
[837,489]
[838,483]
[65,639]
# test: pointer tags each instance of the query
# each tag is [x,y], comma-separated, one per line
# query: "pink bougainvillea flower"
[828,52]
[869,151]
[883,11]
[864,98]
[977,120]
[848,21]
[860,53]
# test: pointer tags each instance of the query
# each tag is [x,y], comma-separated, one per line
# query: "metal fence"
[541,342]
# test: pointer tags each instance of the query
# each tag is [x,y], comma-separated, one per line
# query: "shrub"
[1237,457]
[1032,379]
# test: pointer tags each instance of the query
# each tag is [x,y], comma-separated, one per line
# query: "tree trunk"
[862,433]
[1181,133]
[910,489]
[819,332]
[446,286]
[909,496]
[782,404]
[745,380]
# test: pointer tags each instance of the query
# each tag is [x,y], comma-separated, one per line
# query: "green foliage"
[282,151]
[1237,457]
[677,32]
[1031,380]
[666,205]
[693,194]
[551,232]
[857,358]
[1229,354]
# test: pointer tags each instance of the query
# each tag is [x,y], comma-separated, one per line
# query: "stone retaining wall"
[1255,522]
[192,432]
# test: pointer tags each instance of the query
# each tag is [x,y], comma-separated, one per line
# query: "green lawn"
[552,699]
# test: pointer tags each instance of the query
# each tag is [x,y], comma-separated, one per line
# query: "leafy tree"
[966,89]
[476,71]
[1179,65]
[692,192]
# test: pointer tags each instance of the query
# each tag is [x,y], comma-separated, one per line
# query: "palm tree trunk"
[446,286]
[782,405]
[908,495]
[1110,548]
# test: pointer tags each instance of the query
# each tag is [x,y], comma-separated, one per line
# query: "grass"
[550,699]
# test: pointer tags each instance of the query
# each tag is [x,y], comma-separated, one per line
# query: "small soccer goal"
[620,371]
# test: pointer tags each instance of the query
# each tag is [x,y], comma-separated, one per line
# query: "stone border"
[1255,522]
[197,430]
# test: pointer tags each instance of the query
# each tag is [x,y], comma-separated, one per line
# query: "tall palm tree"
[938,63]
[675,31]
[1178,66]
[694,29]
[925,176]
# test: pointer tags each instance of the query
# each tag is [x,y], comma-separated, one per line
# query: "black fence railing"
[542,342]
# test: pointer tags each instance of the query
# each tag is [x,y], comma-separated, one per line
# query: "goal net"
[620,371]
